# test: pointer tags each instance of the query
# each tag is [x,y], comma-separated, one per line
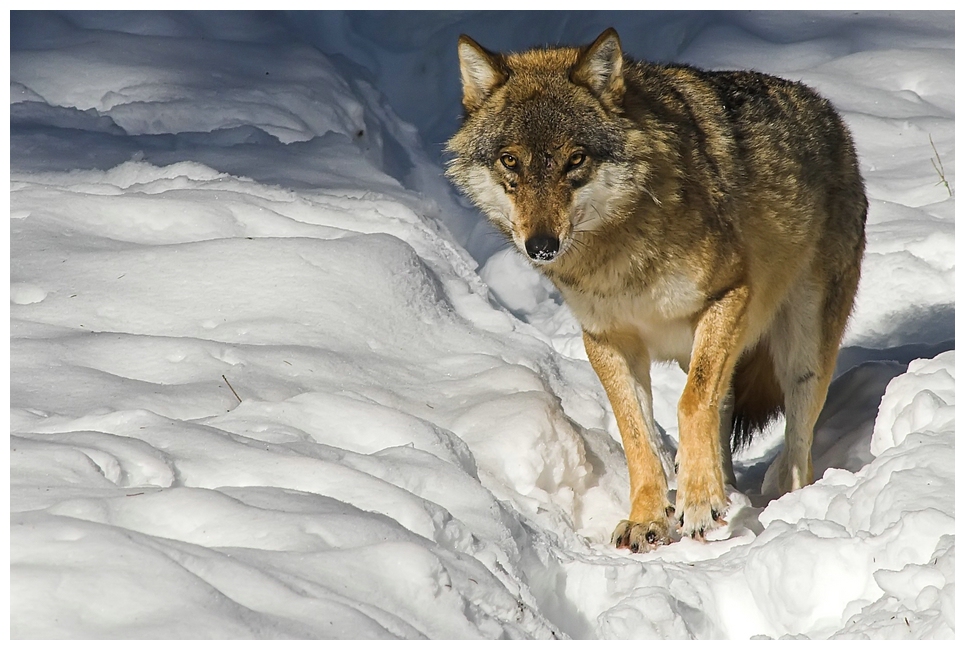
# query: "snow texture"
[272,378]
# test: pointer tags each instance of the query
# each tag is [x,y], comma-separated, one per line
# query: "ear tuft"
[600,67]
[482,72]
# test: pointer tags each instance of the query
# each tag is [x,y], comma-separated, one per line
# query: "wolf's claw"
[640,537]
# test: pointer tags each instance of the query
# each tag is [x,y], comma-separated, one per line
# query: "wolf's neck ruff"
[715,218]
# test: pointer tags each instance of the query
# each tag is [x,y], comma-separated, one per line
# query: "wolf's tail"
[758,397]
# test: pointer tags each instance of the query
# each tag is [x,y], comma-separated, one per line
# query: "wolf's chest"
[660,313]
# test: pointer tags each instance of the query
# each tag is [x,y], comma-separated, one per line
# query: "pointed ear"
[482,72]
[600,67]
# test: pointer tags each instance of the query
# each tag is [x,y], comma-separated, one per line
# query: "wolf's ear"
[600,67]
[482,72]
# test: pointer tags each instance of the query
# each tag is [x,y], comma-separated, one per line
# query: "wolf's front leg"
[718,342]
[650,523]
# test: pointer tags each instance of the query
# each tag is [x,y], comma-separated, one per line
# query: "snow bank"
[160,303]
[340,497]
[259,389]
[895,517]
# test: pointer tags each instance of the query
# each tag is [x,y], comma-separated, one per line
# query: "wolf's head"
[543,149]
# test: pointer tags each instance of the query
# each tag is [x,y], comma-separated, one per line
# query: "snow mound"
[930,406]
[895,517]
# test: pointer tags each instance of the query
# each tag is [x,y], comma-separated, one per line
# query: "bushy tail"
[758,397]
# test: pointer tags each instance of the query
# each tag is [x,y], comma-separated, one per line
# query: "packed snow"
[272,378]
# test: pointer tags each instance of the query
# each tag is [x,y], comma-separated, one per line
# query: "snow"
[272,378]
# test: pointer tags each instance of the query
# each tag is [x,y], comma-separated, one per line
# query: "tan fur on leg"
[718,342]
[649,523]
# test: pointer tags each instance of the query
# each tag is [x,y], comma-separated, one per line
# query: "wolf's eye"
[509,161]
[575,160]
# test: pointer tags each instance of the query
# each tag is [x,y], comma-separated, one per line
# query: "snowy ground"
[271,378]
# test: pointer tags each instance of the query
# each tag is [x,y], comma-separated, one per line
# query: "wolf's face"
[542,150]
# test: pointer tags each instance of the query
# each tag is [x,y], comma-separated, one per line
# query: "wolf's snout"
[542,248]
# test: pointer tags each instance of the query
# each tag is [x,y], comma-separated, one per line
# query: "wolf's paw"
[641,537]
[697,518]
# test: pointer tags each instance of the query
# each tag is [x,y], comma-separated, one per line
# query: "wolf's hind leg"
[726,436]
[804,349]
[624,372]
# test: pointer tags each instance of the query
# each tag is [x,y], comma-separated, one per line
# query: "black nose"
[542,248]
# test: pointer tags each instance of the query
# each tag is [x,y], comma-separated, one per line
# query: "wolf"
[712,218]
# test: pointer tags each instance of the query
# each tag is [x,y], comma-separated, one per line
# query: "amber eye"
[509,161]
[576,160]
